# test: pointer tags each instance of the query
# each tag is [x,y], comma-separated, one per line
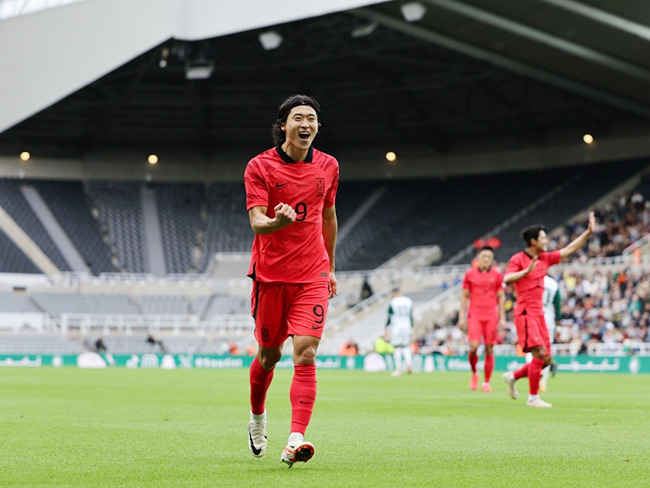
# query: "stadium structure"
[123,141]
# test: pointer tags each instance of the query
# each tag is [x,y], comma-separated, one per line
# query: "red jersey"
[530,288]
[296,253]
[483,287]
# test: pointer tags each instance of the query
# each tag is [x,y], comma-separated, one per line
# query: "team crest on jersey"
[320,187]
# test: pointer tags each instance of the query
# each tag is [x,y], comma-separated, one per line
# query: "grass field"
[141,428]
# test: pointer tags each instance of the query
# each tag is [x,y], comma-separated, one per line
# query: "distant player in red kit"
[526,271]
[290,196]
[483,288]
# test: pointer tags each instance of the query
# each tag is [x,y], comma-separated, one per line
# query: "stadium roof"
[458,76]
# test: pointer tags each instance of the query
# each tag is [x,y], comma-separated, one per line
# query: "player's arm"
[390,313]
[330,230]
[579,241]
[510,278]
[263,224]
[462,314]
[501,305]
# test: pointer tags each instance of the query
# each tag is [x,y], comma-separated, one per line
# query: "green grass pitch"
[187,428]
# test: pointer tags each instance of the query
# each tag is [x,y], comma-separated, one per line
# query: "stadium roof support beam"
[516,66]
[603,17]
[541,37]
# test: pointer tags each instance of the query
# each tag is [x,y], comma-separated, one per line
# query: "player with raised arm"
[290,195]
[526,271]
[483,289]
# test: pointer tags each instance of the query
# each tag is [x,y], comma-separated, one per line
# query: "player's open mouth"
[304,135]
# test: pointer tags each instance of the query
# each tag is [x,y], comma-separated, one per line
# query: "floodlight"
[270,40]
[200,69]
[413,11]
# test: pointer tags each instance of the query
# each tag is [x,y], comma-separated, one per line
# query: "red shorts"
[482,326]
[281,310]
[532,332]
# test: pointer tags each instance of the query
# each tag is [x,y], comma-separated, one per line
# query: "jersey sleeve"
[257,194]
[466,282]
[552,257]
[390,313]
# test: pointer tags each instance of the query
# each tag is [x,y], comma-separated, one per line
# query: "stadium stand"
[195,226]
[181,207]
[56,304]
[622,221]
[39,344]
[69,203]
[164,304]
[14,260]
[577,189]
[450,213]
[227,229]
[223,304]
[16,303]
[120,214]
[14,203]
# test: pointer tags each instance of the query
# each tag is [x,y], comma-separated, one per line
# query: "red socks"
[260,380]
[534,375]
[302,392]
[473,359]
[488,367]
[302,395]
[522,372]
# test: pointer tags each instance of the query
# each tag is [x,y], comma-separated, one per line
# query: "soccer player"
[483,288]
[290,195]
[552,303]
[400,321]
[526,271]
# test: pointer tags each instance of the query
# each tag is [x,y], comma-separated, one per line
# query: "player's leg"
[260,376]
[305,323]
[270,332]
[488,367]
[472,358]
[534,375]
[408,359]
[474,338]
[511,377]
[397,359]
[546,371]
[302,395]
[303,385]
[543,382]
[490,335]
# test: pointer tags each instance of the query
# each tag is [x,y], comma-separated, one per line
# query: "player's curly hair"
[283,112]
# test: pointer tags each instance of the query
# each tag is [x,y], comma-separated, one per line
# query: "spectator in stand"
[621,222]
[349,348]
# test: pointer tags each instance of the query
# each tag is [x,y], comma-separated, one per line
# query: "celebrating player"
[483,287]
[290,196]
[527,270]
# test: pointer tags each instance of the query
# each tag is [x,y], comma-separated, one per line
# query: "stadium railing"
[222,325]
[619,349]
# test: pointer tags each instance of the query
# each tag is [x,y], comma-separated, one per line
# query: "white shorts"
[400,336]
